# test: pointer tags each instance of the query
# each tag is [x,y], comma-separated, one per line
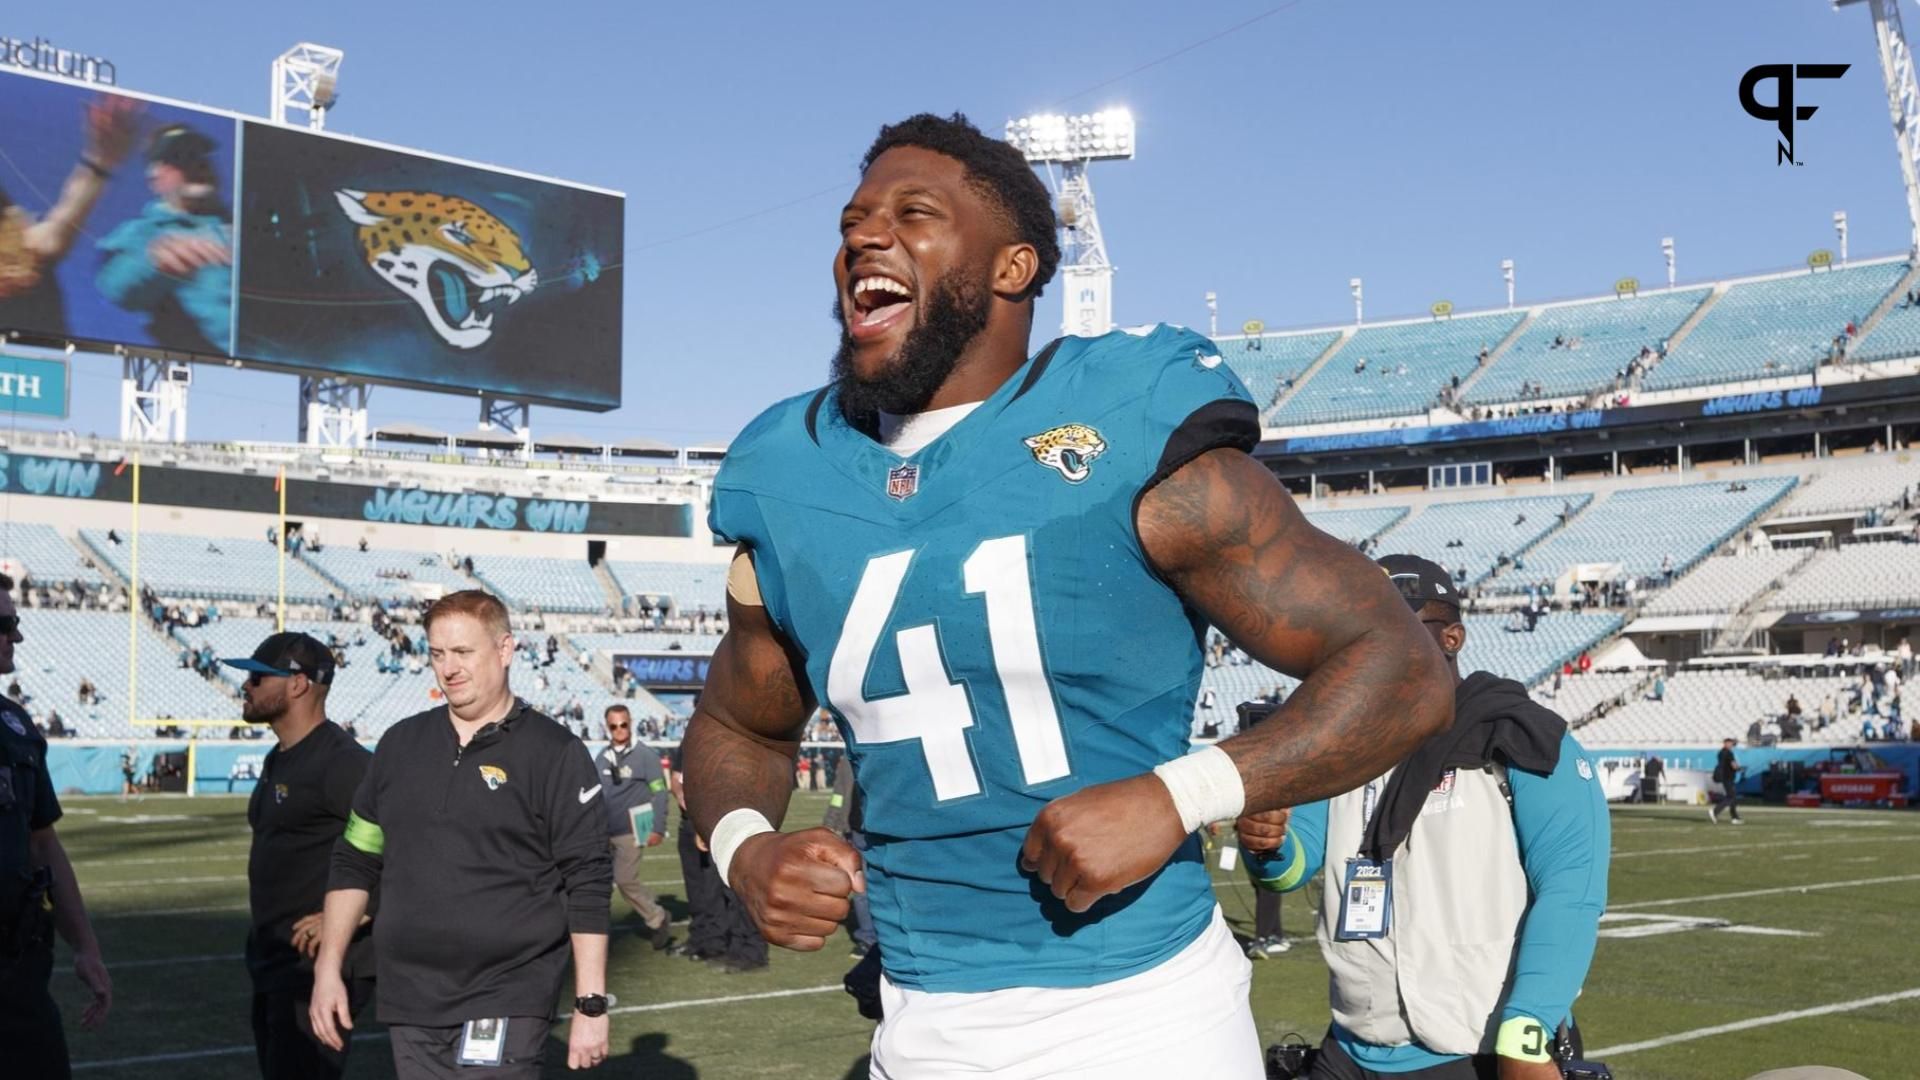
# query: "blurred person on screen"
[175,260]
[31,247]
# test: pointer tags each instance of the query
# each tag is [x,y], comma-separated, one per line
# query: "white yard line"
[1756,1022]
[1814,887]
[658,1006]
[1766,846]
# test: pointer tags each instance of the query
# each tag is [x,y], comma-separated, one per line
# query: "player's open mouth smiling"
[879,302]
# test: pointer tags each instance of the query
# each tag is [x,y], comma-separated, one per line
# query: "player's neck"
[290,729]
[988,361]
[480,715]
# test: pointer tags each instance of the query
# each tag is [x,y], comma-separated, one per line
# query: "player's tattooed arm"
[741,743]
[1228,537]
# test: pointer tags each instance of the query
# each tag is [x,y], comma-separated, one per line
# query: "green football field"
[1790,940]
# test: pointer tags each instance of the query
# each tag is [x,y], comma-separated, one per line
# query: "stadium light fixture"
[1073,143]
[1060,139]
[1354,284]
[1666,249]
[1213,315]
[1506,273]
[306,78]
[1840,227]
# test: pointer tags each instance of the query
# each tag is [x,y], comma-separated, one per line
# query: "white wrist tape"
[730,832]
[1205,787]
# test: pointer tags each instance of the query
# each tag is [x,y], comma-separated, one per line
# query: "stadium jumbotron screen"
[311,252]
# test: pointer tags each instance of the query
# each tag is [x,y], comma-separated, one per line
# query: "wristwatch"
[591,1005]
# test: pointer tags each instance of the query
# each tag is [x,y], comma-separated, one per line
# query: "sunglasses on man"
[8,624]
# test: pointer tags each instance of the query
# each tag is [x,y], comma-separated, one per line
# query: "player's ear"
[1453,639]
[1014,269]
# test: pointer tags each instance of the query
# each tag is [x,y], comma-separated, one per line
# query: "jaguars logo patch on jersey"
[1069,450]
[458,263]
[494,776]
[279,793]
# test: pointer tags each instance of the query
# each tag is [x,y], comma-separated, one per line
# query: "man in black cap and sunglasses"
[298,810]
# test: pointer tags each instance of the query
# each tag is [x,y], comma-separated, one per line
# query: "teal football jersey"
[981,621]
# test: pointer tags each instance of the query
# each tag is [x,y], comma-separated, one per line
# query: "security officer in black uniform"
[38,893]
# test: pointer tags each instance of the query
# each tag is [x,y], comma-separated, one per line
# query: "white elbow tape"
[1205,787]
[730,832]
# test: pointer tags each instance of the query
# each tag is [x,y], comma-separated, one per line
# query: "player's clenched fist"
[1261,833]
[1101,839]
[796,885]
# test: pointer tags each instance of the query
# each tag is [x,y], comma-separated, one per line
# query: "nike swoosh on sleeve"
[587,794]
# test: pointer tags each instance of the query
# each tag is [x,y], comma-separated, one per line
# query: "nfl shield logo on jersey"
[903,481]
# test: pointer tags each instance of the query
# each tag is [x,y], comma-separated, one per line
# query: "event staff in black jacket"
[480,823]
[298,811]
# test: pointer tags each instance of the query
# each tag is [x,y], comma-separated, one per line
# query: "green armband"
[656,786]
[1289,879]
[1524,1039]
[365,835]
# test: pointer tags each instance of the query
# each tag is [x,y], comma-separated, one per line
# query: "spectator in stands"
[1904,654]
[1666,568]
[1833,647]
[1726,775]
[1360,365]
[1659,687]
[1793,705]
[1828,711]
[56,727]
[363,545]
[1586,662]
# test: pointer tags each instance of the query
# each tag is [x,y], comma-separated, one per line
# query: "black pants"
[1266,914]
[283,1034]
[1334,1064]
[744,943]
[1727,798]
[31,1039]
[430,1053]
[706,932]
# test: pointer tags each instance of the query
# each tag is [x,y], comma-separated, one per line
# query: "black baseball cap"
[289,653]
[180,146]
[1420,581]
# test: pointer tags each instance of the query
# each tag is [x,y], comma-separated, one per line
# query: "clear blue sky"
[1412,144]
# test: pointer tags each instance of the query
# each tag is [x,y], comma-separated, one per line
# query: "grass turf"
[166,881]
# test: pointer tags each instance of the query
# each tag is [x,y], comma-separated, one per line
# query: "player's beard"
[955,314]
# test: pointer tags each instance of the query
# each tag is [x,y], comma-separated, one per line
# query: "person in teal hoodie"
[175,261]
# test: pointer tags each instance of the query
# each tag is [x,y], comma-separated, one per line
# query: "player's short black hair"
[6,582]
[995,169]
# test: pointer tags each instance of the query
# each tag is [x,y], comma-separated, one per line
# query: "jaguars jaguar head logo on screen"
[458,263]
[1068,450]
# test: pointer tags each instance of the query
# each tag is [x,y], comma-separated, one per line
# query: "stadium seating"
[1766,329]
[645,641]
[526,582]
[213,568]
[1895,337]
[1529,657]
[48,556]
[1485,530]
[1724,584]
[1264,363]
[63,647]
[1354,526]
[1855,576]
[1430,353]
[1581,694]
[1640,527]
[690,585]
[359,573]
[1856,485]
[1707,706]
[1608,335]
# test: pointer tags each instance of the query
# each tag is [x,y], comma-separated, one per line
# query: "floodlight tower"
[1903,102]
[1073,143]
[306,78]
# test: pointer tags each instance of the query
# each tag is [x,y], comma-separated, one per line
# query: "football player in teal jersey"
[996,569]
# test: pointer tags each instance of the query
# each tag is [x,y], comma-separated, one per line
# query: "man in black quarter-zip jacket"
[481,823]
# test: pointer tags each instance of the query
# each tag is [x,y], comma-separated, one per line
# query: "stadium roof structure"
[567,444]
[644,448]
[411,433]
[498,440]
